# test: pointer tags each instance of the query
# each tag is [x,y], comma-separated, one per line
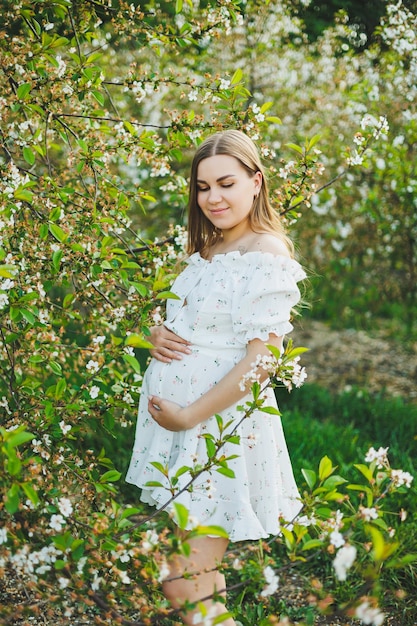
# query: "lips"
[218,211]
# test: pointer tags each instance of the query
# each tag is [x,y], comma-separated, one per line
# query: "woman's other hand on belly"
[168,345]
[168,414]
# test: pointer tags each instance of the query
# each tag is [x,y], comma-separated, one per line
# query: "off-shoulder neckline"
[237,254]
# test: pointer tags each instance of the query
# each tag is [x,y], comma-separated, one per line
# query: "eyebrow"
[219,179]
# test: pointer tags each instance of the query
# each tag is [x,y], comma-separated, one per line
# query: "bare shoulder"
[268,242]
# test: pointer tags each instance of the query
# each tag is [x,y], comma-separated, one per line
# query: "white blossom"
[208,618]
[400,478]
[63,582]
[7,284]
[224,83]
[337,539]
[344,560]
[380,456]
[151,540]
[164,572]
[272,581]
[4,403]
[4,300]
[64,427]
[94,391]
[369,615]
[57,522]
[3,535]
[355,158]
[65,507]
[368,514]
[96,581]
[92,366]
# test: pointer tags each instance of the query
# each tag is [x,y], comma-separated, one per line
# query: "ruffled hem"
[246,525]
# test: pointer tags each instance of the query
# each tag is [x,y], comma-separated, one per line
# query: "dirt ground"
[340,359]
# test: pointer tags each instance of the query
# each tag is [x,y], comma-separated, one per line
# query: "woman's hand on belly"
[168,345]
[168,414]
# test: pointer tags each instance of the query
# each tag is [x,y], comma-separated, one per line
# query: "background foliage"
[101,107]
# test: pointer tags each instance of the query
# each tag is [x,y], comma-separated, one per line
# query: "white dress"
[223,304]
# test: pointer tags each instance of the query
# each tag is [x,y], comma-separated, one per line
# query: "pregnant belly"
[186,380]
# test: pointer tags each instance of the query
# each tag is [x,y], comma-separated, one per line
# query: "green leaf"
[12,499]
[325,468]
[55,367]
[312,544]
[28,155]
[216,531]
[295,352]
[377,542]
[19,438]
[60,388]
[237,77]
[210,447]
[402,561]
[132,361]
[23,90]
[178,6]
[138,341]
[274,119]
[111,476]
[30,493]
[315,139]
[29,317]
[269,409]
[57,232]
[130,511]
[334,481]
[130,128]
[98,96]
[161,468]
[180,515]
[23,194]
[310,477]
[13,463]
[15,314]
[226,471]
[365,470]
[165,295]
[294,146]
[182,470]
[68,300]
[266,106]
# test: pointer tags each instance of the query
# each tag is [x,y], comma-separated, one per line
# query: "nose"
[214,196]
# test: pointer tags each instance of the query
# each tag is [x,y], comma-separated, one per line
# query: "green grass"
[344,426]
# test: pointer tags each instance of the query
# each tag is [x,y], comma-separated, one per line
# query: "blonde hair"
[262,218]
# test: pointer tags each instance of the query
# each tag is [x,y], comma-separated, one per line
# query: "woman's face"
[225,192]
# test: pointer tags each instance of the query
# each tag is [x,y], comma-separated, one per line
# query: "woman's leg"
[204,580]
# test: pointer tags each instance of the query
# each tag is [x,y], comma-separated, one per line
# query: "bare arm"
[168,345]
[225,393]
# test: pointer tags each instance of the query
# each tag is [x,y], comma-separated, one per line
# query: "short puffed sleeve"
[264,294]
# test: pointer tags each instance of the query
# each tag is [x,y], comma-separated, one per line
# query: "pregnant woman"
[235,295]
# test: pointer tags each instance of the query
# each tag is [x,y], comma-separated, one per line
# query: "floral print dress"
[222,304]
